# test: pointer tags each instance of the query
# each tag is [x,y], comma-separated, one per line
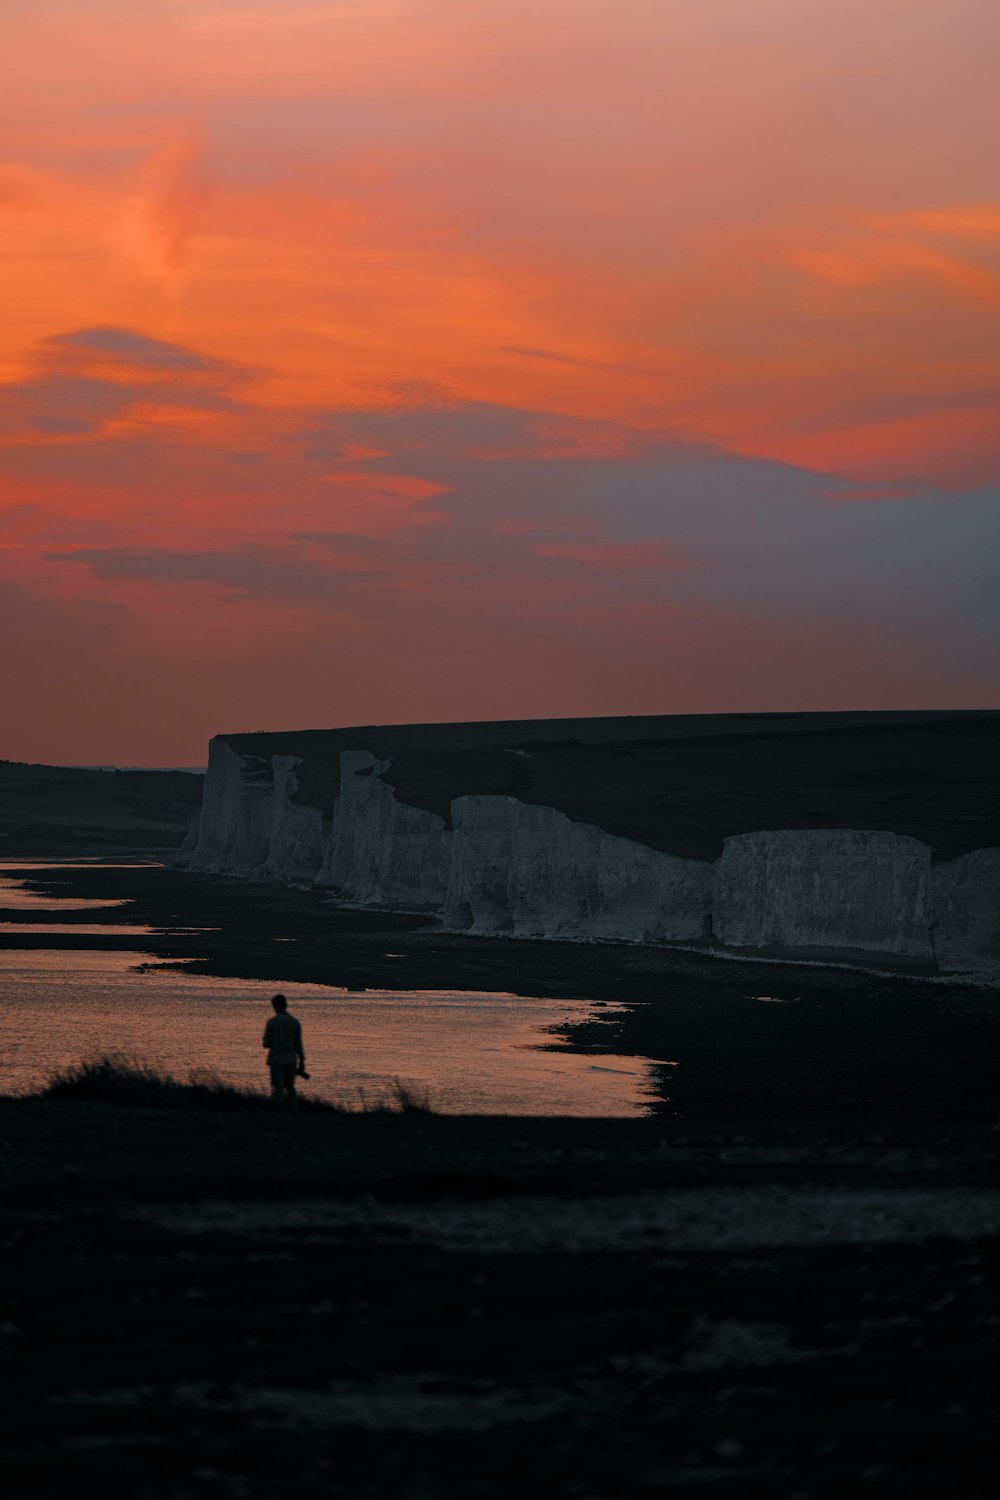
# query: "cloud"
[63,405]
[127,347]
[449,429]
[521,501]
[22,513]
[82,405]
[86,378]
[871,262]
[346,541]
[614,556]
[441,426]
[973,221]
[251,571]
[614,367]
[653,518]
[176,191]
[574,286]
[672,576]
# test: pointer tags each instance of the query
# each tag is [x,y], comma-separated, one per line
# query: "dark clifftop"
[683,783]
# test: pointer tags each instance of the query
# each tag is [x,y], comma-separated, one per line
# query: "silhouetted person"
[283,1040]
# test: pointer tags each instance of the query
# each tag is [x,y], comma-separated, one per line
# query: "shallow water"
[81,929]
[15,900]
[470,1052]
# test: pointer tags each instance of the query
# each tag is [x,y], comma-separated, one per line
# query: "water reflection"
[471,1052]
[15,897]
[81,929]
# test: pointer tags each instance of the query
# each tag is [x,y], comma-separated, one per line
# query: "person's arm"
[267,1035]
[298,1044]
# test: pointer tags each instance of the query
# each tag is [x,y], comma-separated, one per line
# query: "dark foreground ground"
[238,1305]
[782,1283]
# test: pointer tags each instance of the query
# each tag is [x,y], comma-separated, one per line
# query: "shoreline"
[854,961]
[756,1039]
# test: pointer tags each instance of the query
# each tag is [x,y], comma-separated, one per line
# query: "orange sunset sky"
[387,360]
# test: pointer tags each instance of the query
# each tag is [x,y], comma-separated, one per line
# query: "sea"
[463,1052]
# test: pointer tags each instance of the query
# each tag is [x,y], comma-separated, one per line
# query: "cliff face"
[235,825]
[532,872]
[824,888]
[641,838]
[295,841]
[965,912]
[383,852]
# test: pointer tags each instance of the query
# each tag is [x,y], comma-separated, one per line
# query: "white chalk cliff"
[383,852]
[234,832]
[532,872]
[824,888]
[965,911]
[295,844]
[503,865]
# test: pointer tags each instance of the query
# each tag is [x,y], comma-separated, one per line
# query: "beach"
[780,1281]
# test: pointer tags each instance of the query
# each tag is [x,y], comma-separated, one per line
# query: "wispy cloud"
[126,346]
[80,381]
[162,219]
[608,366]
[250,571]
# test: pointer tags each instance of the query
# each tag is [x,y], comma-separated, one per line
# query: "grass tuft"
[409,1099]
[395,1098]
[131,1081]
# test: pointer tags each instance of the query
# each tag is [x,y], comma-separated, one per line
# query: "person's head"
[279,1002]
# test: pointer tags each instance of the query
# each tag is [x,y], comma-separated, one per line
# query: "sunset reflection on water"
[469,1051]
[472,1053]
